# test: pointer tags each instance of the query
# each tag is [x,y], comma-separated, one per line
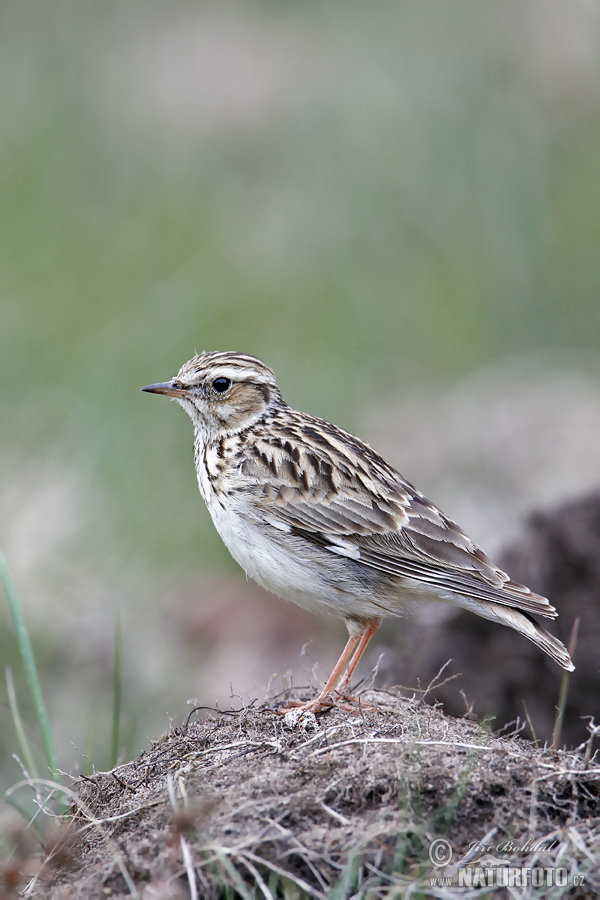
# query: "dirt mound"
[242,804]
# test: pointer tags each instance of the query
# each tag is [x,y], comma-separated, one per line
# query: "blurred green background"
[378,201]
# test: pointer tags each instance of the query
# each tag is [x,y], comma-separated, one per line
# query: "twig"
[432,683]
[334,815]
[397,741]
[186,853]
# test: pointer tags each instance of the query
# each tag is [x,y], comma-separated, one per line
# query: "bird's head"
[222,392]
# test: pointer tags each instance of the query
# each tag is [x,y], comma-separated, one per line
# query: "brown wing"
[341,495]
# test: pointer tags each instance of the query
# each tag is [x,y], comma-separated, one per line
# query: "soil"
[248,804]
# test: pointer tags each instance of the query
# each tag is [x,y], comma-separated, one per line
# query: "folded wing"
[356,505]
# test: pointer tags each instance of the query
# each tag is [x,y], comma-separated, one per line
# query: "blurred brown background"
[397,208]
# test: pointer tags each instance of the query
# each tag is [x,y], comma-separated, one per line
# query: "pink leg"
[344,686]
[332,695]
[325,698]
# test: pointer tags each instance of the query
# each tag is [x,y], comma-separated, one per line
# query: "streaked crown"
[237,367]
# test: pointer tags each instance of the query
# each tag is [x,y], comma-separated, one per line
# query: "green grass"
[33,681]
[49,794]
[32,786]
[431,207]
[117,694]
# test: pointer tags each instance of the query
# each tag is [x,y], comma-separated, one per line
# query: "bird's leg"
[337,690]
[326,697]
[344,686]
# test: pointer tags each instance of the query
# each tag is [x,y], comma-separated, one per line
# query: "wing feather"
[339,498]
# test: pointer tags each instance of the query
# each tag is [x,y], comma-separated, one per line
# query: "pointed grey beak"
[165,387]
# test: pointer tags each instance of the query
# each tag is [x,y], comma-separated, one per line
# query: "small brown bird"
[316,516]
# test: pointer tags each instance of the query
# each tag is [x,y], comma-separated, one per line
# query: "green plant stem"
[25,814]
[564,690]
[31,672]
[117,693]
[18,723]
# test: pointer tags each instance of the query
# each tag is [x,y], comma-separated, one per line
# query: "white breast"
[315,584]
[317,579]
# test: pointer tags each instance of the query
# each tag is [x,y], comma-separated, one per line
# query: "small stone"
[301,718]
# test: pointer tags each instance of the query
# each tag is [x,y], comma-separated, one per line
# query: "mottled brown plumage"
[318,517]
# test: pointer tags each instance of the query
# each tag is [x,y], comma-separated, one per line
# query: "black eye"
[221,385]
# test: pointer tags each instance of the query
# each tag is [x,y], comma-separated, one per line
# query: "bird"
[316,516]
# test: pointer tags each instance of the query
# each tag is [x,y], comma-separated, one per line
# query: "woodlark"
[318,517]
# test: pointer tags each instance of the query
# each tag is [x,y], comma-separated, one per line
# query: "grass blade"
[564,689]
[25,814]
[117,693]
[18,723]
[29,664]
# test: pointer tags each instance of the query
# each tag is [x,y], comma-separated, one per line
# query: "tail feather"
[525,625]
[525,599]
[530,629]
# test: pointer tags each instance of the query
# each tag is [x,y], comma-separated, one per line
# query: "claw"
[323,702]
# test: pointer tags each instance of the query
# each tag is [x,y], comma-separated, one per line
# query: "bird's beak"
[165,387]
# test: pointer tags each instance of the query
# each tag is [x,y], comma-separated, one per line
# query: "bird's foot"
[354,704]
[319,704]
[346,701]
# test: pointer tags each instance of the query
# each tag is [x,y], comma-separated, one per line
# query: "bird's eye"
[220,385]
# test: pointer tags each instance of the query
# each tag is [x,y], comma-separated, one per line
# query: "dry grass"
[241,804]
